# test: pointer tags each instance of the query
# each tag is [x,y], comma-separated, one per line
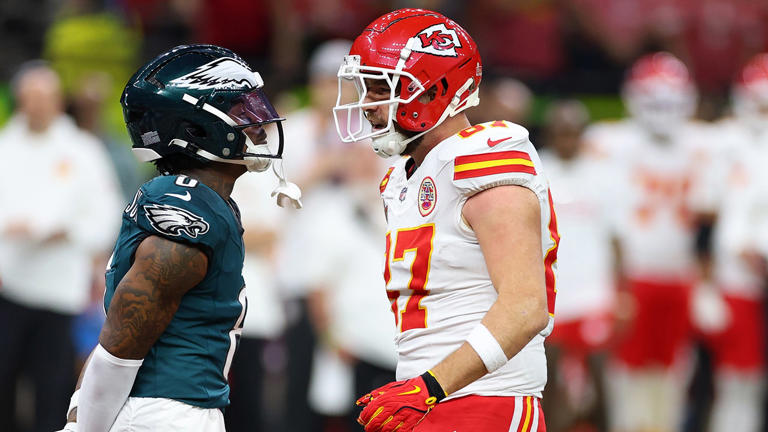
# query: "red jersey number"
[416,241]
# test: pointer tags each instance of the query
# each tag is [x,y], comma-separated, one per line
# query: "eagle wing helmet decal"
[174,221]
[222,73]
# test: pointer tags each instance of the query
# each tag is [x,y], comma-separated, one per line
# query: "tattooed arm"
[142,307]
[149,294]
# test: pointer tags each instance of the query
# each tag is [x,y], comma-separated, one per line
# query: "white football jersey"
[586,219]
[745,153]
[435,272]
[663,188]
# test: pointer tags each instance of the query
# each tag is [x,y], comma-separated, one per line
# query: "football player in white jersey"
[660,155]
[739,347]
[472,236]
[586,212]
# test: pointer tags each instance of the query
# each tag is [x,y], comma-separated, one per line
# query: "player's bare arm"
[149,294]
[147,298]
[506,221]
[143,305]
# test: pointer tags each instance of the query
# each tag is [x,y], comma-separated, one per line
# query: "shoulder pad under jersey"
[179,208]
[493,154]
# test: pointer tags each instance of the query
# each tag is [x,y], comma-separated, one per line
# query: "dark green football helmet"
[202,101]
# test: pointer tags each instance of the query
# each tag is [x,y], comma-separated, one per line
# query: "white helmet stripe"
[211,109]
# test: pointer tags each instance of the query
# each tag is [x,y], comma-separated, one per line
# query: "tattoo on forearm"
[149,294]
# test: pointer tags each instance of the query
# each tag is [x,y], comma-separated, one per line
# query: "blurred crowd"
[663,209]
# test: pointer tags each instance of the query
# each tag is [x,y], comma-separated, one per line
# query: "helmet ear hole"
[429,95]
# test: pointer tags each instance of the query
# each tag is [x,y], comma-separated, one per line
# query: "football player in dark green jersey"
[174,297]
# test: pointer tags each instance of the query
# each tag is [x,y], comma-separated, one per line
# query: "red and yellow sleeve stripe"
[385,180]
[484,164]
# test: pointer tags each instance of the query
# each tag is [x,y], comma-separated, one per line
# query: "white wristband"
[487,347]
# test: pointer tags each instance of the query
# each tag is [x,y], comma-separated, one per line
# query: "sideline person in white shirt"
[58,211]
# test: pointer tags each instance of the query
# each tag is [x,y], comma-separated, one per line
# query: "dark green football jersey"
[191,359]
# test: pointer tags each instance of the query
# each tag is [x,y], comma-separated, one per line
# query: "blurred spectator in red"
[301,26]
[522,38]
[58,197]
[329,19]
[273,34]
[245,26]
[163,23]
[713,36]
[621,27]
[720,36]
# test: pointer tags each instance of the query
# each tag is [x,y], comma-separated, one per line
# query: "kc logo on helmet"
[438,40]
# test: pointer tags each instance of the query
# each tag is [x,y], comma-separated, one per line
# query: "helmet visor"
[252,109]
[255,116]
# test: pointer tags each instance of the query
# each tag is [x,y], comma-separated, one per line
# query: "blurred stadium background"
[535,53]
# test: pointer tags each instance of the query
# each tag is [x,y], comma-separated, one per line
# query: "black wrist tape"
[433,387]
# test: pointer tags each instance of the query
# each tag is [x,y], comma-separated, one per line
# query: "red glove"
[400,406]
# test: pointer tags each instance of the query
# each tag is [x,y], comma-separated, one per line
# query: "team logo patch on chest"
[427,196]
[175,221]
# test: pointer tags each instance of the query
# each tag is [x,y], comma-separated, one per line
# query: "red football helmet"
[659,92]
[750,92]
[411,50]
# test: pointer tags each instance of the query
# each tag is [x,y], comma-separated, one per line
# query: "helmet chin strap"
[285,192]
[252,164]
[391,143]
[257,164]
